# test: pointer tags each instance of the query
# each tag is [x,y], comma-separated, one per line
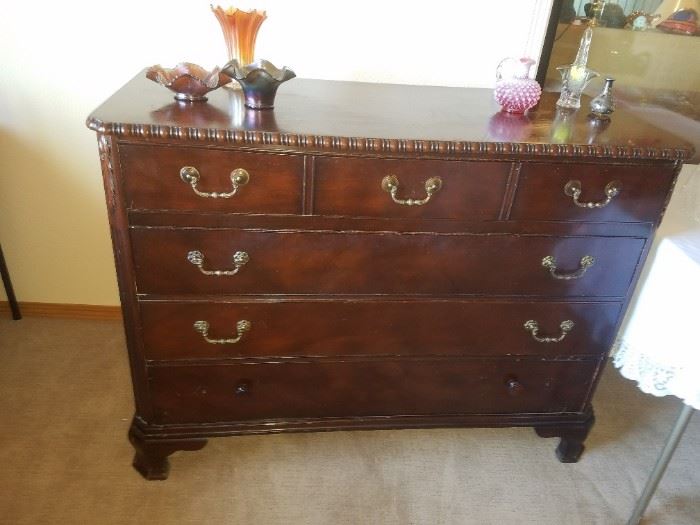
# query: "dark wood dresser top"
[386,119]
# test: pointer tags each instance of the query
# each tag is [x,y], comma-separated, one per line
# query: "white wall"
[59,60]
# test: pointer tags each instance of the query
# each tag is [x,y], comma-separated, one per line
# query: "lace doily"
[655,377]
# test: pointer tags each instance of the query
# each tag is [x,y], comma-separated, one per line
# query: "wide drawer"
[152,179]
[211,393]
[309,328]
[353,187]
[546,191]
[284,262]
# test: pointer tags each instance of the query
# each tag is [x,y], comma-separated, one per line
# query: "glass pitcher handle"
[500,67]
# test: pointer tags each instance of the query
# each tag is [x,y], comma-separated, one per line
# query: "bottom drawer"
[236,392]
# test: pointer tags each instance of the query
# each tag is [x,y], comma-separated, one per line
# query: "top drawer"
[437,189]
[577,192]
[152,179]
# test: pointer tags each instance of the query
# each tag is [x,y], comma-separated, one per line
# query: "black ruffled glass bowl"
[259,80]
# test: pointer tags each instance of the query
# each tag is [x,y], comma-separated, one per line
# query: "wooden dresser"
[371,256]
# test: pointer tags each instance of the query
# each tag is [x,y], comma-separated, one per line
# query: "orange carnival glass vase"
[240,30]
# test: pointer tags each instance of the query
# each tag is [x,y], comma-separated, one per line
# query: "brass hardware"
[242,327]
[390,184]
[239,177]
[573,189]
[239,261]
[515,387]
[550,263]
[242,388]
[532,327]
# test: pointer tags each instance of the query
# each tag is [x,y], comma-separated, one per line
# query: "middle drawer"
[318,328]
[186,261]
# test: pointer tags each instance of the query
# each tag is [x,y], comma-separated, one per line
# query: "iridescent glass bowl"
[259,81]
[189,82]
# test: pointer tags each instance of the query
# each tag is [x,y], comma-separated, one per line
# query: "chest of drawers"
[280,273]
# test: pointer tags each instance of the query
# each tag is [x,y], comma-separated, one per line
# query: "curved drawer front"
[197,394]
[354,328]
[152,180]
[353,187]
[379,263]
[636,193]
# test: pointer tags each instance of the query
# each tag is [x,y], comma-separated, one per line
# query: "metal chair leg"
[14,307]
[661,464]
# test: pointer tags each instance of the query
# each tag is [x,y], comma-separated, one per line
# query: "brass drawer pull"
[242,327]
[239,261]
[550,263]
[573,190]
[390,184]
[534,328]
[239,177]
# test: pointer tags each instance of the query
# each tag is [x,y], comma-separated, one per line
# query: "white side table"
[658,345]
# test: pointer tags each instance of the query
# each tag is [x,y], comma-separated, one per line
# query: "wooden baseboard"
[65,311]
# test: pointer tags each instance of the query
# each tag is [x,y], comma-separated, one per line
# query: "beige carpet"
[65,404]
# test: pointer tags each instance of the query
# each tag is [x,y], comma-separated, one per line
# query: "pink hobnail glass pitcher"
[515,91]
